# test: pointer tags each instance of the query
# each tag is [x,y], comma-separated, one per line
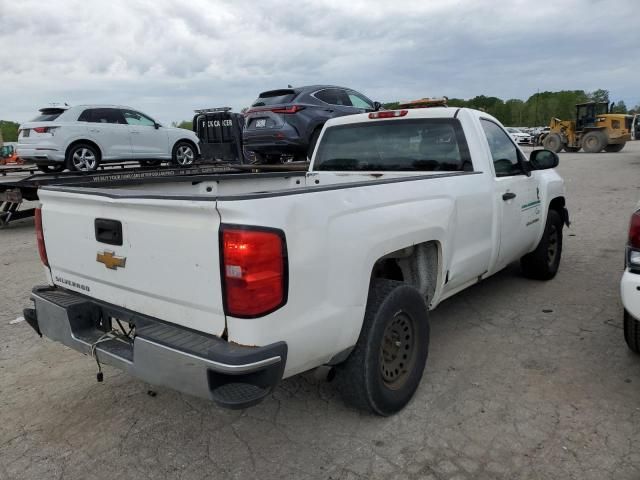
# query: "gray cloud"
[168,58]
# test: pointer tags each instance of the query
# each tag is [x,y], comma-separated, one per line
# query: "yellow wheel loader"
[594,129]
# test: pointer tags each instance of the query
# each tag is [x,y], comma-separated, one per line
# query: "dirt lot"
[525,380]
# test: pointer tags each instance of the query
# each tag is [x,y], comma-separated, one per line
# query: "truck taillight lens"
[254,270]
[40,238]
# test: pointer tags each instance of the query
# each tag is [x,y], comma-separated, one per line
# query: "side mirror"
[543,159]
[376,106]
[157,125]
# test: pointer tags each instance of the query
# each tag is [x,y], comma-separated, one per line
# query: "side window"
[334,96]
[136,118]
[359,101]
[85,116]
[105,115]
[327,96]
[506,159]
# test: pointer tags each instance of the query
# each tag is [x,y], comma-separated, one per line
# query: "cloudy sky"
[168,57]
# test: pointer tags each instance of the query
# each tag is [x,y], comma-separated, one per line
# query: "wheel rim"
[553,245]
[84,159]
[592,142]
[184,155]
[397,352]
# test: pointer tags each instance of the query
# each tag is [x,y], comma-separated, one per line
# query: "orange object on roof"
[425,102]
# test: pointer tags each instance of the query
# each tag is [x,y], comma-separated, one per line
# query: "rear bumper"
[271,141]
[40,153]
[164,354]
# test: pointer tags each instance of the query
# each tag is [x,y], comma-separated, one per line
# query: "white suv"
[81,137]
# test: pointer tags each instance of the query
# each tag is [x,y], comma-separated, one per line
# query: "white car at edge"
[83,136]
[630,285]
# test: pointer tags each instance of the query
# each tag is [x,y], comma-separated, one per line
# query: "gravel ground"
[525,380]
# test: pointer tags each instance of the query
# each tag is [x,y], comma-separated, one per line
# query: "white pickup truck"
[221,285]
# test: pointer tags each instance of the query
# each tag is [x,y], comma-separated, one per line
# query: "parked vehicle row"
[83,136]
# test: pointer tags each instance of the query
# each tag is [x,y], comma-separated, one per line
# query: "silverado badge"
[110,260]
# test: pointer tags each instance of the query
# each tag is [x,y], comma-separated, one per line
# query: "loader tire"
[614,147]
[594,142]
[553,142]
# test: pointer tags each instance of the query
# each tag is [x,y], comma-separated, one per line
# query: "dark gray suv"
[287,122]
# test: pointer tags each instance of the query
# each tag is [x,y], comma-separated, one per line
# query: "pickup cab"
[221,285]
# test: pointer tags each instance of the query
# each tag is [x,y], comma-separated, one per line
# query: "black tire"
[569,149]
[83,157]
[632,332]
[553,142]
[312,142]
[543,262]
[614,147]
[57,168]
[381,376]
[594,142]
[150,163]
[183,154]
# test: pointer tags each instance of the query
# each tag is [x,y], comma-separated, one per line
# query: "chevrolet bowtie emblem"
[110,260]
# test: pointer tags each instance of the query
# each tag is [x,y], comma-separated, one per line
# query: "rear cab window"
[274,97]
[49,114]
[434,144]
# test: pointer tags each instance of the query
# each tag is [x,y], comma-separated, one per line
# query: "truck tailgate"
[167,266]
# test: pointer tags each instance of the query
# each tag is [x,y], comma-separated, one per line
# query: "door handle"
[508,196]
[135,131]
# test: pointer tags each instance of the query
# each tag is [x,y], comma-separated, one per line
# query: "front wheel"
[83,158]
[385,368]
[553,142]
[544,261]
[184,154]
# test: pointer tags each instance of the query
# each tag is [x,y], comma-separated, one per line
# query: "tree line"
[538,109]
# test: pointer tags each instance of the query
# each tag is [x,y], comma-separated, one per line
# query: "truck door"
[517,196]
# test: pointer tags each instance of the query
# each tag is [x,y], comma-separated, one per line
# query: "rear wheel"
[83,158]
[632,332]
[569,149]
[385,368]
[553,142]
[57,168]
[543,262]
[184,154]
[614,147]
[593,142]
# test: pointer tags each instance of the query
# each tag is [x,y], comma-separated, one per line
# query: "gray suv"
[287,122]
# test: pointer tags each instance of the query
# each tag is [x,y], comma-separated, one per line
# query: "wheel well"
[558,205]
[87,142]
[417,265]
[186,140]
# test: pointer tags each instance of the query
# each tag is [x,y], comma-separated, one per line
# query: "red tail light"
[634,230]
[287,110]
[388,114]
[41,129]
[254,270]
[42,250]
